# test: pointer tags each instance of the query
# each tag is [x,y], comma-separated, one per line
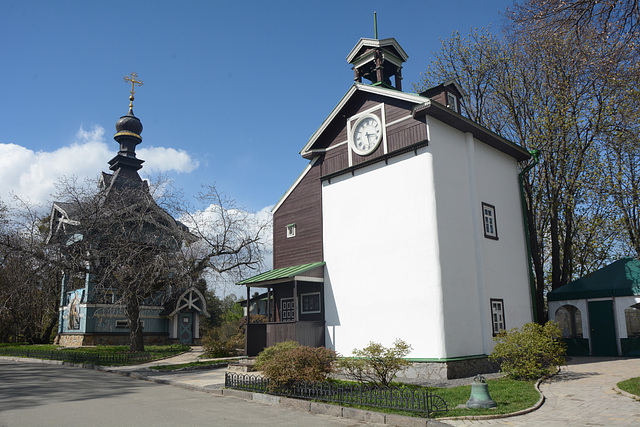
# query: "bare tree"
[231,239]
[29,278]
[129,246]
[553,92]
[134,249]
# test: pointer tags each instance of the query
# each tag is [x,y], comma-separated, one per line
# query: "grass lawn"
[630,386]
[156,351]
[510,396]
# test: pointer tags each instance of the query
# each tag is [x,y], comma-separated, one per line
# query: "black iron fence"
[96,358]
[407,399]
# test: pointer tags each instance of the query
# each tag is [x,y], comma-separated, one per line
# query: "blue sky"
[232,90]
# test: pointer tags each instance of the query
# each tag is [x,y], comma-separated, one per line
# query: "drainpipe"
[535,154]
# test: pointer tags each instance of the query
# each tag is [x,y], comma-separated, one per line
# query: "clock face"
[367,134]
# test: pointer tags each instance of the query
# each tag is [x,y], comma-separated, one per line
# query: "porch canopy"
[621,278]
[295,307]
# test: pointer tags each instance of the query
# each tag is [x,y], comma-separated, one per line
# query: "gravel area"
[436,382]
[446,383]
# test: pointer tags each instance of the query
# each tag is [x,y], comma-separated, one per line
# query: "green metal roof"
[621,278]
[281,273]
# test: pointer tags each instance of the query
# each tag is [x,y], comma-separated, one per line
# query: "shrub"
[530,352]
[376,364]
[290,362]
[269,353]
[226,339]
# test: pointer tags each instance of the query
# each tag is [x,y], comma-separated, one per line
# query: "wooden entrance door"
[603,330]
[186,328]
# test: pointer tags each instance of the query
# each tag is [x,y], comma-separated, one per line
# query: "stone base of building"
[79,340]
[449,369]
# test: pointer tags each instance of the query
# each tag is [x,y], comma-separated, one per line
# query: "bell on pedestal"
[480,397]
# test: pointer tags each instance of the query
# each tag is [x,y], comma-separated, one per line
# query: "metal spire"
[375,25]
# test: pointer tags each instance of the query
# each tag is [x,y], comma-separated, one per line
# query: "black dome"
[129,123]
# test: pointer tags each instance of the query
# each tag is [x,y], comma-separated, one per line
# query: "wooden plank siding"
[400,135]
[304,208]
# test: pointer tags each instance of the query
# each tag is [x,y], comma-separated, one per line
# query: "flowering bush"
[376,364]
[287,362]
[530,352]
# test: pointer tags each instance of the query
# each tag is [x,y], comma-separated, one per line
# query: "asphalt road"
[54,395]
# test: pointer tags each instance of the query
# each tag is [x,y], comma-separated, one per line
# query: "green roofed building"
[600,313]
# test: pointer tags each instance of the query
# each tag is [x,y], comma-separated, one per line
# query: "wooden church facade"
[90,314]
[407,221]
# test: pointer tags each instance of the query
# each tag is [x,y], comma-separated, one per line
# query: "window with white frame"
[291,230]
[489,221]
[452,102]
[497,316]
[310,303]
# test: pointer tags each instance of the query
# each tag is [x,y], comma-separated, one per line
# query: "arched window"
[632,318]
[570,320]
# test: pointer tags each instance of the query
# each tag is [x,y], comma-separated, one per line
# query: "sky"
[232,90]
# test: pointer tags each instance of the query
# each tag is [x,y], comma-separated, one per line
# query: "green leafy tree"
[376,364]
[530,352]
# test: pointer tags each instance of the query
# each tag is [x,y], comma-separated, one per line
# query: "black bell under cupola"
[378,61]
[128,130]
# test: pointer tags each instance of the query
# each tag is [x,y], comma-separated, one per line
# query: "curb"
[625,393]
[299,404]
[355,414]
[537,405]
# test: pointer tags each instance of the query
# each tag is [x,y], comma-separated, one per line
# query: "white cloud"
[160,159]
[32,175]
[209,220]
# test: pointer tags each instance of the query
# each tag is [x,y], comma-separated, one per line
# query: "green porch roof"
[281,273]
[621,278]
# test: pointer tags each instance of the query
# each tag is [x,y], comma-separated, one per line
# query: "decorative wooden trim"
[294,185]
[384,157]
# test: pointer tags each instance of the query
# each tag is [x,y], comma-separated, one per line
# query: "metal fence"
[96,358]
[407,399]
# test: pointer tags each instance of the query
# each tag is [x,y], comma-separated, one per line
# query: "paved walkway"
[204,378]
[581,395]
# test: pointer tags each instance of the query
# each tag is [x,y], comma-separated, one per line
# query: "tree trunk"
[46,333]
[136,342]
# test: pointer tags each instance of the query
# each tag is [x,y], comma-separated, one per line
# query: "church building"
[406,224]
[91,314]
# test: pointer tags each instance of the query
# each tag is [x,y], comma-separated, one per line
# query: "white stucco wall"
[580,304]
[467,173]
[382,275]
[406,255]
[619,306]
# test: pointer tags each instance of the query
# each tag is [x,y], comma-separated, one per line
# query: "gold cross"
[132,78]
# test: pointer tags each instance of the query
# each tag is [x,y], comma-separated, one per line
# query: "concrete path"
[581,395]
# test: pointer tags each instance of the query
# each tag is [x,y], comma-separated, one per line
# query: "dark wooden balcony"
[262,335]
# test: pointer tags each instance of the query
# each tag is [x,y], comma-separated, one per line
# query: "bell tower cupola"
[128,130]
[378,61]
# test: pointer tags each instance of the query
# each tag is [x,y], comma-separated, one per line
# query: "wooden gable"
[401,130]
